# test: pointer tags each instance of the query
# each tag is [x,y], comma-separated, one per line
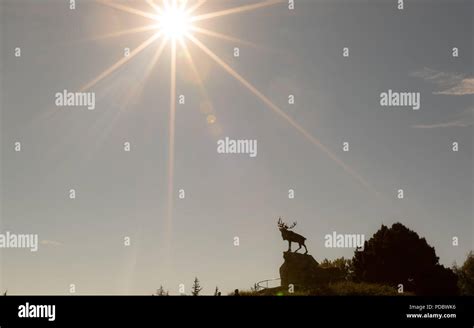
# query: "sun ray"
[196,6]
[152,4]
[193,66]
[236,10]
[132,92]
[183,4]
[151,65]
[155,58]
[49,113]
[107,128]
[139,29]
[128,9]
[281,113]
[222,36]
[121,62]
[172,120]
[166,4]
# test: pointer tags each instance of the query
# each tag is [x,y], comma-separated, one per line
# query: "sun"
[174,22]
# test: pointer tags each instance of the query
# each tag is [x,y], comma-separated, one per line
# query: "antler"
[282,224]
[293,225]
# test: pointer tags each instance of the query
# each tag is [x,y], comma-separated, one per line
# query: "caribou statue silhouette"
[291,236]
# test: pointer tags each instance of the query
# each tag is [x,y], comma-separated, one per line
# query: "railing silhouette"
[264,284]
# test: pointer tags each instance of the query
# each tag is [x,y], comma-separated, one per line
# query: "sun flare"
[174,22]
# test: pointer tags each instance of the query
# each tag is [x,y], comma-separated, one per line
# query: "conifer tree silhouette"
[196,289]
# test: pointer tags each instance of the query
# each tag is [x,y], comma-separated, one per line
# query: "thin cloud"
[453,124]
[464,120]
[437,77]
[453,84]
[464,87]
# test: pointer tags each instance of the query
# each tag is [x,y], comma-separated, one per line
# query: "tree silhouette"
[161,292]
[196,289]
[342,264]
[465,275]
[397,255]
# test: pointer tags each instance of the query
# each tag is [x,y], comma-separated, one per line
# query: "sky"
[299,52]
